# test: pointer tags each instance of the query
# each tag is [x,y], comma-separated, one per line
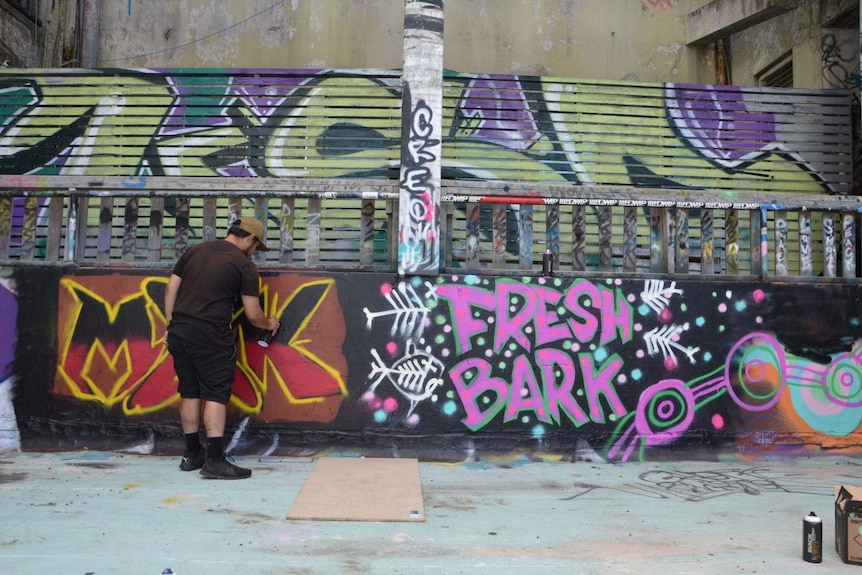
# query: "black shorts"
[203,372]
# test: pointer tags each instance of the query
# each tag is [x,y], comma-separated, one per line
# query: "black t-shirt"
[215,274]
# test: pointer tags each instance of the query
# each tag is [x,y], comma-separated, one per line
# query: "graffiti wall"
[624,368]
[9,436]
[347,123]
[630,368]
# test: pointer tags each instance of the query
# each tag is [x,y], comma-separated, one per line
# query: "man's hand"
[273,326]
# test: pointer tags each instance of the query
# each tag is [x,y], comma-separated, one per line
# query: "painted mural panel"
[629,367]
[9,435]
[112,350]
[338,123]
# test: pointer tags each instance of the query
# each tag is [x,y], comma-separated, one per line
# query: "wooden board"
[361,489]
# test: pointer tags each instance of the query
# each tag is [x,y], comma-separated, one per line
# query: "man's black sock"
[215,447]
[193,442]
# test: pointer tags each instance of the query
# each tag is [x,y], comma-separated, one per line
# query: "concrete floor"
[106,513]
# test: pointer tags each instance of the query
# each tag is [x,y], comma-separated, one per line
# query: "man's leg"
[214,416]
[217,466]
[190,419]
[190,415]
[217,379]
[190,405]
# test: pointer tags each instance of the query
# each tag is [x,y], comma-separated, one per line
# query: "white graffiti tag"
[415,375]
[657,296]
[409,309]
[666,339]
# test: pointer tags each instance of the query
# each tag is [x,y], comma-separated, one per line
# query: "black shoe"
[193,460]
[223,468]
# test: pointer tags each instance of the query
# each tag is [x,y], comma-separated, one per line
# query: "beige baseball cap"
[254,227]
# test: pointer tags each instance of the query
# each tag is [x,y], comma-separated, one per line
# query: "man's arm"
[255,315]
[171,296]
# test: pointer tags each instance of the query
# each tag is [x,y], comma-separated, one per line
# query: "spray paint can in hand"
[812,538]
[264,339]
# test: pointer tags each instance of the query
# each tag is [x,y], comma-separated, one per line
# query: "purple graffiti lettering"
[262,94]
[495,110]
[546,397]
[560,396]
[513,326]
[598,383]
[265,94]
[616,316]
[471,393]
[182,117]
[585,329]
[531,316]
[717,124]
[461,301]
[525,394]
[549,327]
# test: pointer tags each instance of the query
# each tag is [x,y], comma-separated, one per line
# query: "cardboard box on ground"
[848,523]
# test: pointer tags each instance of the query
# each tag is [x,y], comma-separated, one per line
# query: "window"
[779,74]
[28,7]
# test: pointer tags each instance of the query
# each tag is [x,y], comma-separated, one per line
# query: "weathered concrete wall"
[646,40]
[755,49]
[18,43]
[623,39]
[202,33]
[49,44]
[626,39]
[819,51]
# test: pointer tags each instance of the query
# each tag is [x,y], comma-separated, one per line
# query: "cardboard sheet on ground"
[361,489]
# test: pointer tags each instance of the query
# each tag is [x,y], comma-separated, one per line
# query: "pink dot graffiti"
[753,370]
[756,374]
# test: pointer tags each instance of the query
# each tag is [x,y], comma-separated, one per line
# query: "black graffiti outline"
[703,485]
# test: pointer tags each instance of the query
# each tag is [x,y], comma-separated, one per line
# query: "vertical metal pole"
[90,33]
[72,227]
[421,137]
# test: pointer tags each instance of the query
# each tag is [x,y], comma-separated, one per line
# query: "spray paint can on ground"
[812,538]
